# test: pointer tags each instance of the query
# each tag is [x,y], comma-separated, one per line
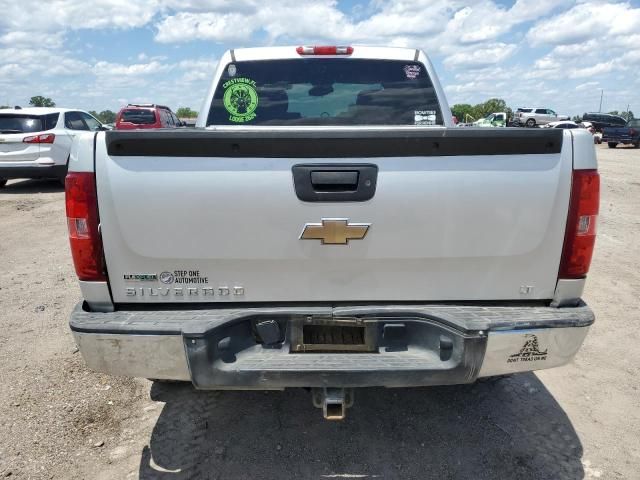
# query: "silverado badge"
[334,231]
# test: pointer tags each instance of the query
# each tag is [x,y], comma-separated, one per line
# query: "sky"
[103,54]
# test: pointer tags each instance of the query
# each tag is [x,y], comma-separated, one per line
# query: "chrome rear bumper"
[439,344]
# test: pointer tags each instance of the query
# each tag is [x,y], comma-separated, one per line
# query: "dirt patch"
[24,205]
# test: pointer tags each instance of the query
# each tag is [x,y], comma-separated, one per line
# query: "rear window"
[138,116]
[325,91]
[635,123]
[16,123]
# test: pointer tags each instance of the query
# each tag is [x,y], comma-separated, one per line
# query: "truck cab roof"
[270,53]
[35,110]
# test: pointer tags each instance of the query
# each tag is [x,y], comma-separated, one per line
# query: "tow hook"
[333,401]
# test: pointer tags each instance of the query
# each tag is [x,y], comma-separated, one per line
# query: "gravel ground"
[60,420]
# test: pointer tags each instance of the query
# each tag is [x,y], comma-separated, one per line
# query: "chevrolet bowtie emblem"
[334,231]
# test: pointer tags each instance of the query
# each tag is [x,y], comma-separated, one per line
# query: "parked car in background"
[568,124]
[597,136]
[563,124]
[533,117]
[515,120]
[627,135]
[603,120]
[492,120]
[589,126]
[187,122]
[146,115]
[35,142]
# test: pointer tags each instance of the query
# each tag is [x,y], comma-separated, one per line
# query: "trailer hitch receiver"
[333,401]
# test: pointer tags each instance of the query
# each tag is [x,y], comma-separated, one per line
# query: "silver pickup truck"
[325,226]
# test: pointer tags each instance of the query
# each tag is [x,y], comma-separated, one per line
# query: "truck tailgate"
[620,134]
[13,149]
[213,216]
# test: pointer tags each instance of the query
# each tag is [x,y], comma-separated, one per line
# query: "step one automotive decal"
[183,276]
[172,279]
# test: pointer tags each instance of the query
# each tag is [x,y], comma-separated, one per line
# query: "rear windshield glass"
[138,116]
[326,91]
[16,123]
[635,123]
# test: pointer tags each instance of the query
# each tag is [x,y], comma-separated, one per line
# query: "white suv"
[532,117]
[35,142]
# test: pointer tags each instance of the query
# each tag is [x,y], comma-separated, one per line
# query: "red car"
[146,115]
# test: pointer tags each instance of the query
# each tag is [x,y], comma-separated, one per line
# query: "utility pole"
[601,93]
[628,105]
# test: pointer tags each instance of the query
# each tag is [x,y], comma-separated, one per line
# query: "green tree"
[469,113]
[461,111]
[493,105]
[4,106]
[40,101]
[186,112]
[105,116]
[577,118]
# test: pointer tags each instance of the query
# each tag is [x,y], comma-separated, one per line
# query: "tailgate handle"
[332,181]
[353,182]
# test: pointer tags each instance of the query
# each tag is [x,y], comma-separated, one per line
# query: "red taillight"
[82,220]
[44,138]
[580,236]
[324,50]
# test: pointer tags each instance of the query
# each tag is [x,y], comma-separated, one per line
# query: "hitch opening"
[333,401]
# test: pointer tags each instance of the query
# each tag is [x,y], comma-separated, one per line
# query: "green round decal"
[240,99]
